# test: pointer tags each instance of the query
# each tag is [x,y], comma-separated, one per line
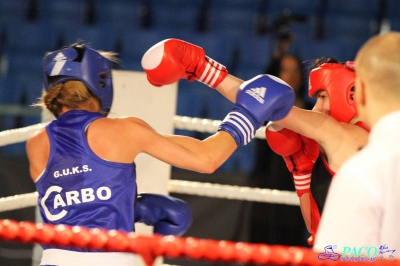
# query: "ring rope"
[12,136]
[17,202]
[149,247]
[16,135]
[233,192]
[175,186]
[182,187]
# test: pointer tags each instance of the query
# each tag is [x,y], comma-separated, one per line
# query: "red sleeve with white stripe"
[213,73]
[302,183]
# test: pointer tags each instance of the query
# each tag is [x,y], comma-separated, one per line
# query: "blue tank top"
[79,188]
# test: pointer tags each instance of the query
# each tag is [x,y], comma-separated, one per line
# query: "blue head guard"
[83,64]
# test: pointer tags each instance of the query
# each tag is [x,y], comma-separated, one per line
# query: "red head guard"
[337,80]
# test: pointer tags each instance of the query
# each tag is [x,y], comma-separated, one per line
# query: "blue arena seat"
[353,8]
[350,28]
[120,15]
[395,24]
[339,49]
[60,12]
[393,10]
[240,5]
[218,46]
[7,88]
[247,72]
[255,52]
[179,17]
[96,36]
[305,7]
[11,10]
[136,42]
[11,93]
[175,5]
[20,64]
[233,21]
[191,101]
[36,38]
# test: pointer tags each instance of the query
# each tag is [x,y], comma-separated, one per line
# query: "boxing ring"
[150,246]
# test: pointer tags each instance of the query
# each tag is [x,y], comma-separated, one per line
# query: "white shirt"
[363,202]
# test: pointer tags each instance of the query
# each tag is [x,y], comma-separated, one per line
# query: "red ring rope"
[149,247]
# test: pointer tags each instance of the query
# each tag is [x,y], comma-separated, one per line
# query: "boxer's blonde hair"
[72,94]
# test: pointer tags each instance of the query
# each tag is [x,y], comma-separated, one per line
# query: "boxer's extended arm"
[327,131]
[338,140]
[255,104]
[229,87]
[171,60]
[165,64]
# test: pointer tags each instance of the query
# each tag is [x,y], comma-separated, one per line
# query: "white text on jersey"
[71,198]
[71,171]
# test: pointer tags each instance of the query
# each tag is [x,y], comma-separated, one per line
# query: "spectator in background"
[277,223]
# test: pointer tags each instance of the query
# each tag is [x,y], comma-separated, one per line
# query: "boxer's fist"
[172,59]
[262,98]
[168,215]
[281,140]
[299,153]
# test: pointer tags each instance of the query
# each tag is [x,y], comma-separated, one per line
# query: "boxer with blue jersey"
[83,162]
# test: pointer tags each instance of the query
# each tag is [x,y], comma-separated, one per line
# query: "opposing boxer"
[331,123]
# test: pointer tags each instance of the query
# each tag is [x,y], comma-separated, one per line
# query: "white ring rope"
[175,186]
[205,125]
[180,122]
[182,187]
[233,192]
[18,201]
[12,136]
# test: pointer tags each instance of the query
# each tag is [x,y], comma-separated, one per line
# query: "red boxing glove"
[172,59]
[299,153]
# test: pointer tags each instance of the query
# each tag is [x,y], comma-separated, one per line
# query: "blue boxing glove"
[262,98]
[168,215]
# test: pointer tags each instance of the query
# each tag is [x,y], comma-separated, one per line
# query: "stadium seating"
[120,15]
[231,39]
[60,12]
[98,37]
[13,11]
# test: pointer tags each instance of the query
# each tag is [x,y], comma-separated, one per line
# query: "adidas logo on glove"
[258,93]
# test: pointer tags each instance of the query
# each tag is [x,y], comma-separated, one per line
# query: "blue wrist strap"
[240,125]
